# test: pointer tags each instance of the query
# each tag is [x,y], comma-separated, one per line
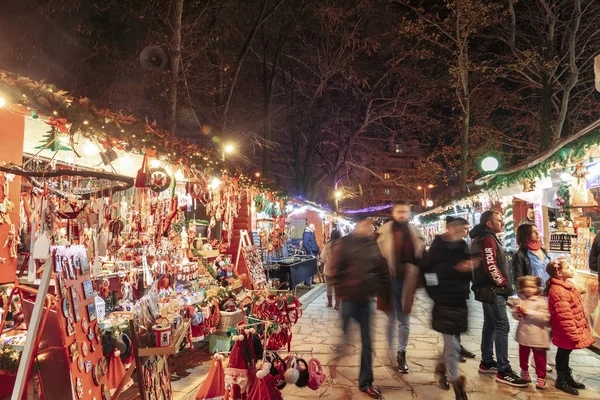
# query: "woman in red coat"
[570,327]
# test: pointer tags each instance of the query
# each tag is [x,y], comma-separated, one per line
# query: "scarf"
[533,246]
[403,247]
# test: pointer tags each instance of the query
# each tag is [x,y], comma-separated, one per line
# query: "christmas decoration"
[509,222]
[561,158]
[369,209]
[113,129]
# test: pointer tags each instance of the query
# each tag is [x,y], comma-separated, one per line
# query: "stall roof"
[537,166]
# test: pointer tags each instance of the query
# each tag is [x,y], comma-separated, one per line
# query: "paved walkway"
[319,330]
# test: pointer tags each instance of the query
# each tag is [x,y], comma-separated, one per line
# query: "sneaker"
[510,378]
[488,368]
[525,376]
[541,383]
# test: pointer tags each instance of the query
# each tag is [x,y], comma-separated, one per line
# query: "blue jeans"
[495,331]
[361,313]
[452,356]
[397,315]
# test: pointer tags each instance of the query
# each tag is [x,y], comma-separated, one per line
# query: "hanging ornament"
[528,185]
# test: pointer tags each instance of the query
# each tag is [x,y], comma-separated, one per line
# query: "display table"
[296,273]
[588,281]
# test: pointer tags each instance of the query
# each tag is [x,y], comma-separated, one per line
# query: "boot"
[337,304]
[571,381]
[440,373]
[562,384]
[402,365]
[329,301]
[460,388]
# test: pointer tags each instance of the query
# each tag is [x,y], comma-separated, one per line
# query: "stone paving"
[319,330]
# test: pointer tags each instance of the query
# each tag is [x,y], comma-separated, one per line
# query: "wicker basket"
[230,319]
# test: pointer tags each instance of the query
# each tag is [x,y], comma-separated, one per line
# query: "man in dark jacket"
[447,271]
[492,285]
[360,273]
[309,243]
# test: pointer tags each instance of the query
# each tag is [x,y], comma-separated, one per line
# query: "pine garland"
[561,158]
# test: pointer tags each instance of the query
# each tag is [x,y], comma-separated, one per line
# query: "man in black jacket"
[492,285]
[360,273]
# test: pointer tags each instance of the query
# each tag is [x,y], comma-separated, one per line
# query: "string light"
[368,209]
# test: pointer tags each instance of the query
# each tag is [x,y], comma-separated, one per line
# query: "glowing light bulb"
[90,149]
[155,163]
[229,148]
[2,102]
[215,183]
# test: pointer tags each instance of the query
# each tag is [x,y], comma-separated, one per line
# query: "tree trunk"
[464,145]
[175,63]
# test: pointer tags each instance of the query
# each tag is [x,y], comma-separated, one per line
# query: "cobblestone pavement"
[319,330]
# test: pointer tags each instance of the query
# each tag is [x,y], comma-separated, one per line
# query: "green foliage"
[561,158]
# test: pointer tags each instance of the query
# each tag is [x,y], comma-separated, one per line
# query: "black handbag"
[485,295]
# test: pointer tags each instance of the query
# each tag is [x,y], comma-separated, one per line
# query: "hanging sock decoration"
[509,223]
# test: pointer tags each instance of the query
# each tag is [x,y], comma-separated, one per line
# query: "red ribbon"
[60,124]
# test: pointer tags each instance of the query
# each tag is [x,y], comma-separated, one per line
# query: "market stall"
[562,187]
[119,246]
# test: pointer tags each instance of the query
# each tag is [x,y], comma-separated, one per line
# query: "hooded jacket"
[448,287]
[495,271]
[570,326]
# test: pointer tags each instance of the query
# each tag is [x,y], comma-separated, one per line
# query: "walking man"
[492,285]
[360,273]
[447,269]
[402,246]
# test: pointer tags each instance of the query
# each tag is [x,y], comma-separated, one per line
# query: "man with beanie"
[359,274]
[492,284]
[402,246]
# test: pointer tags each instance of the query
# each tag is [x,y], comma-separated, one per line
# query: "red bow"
[60,124]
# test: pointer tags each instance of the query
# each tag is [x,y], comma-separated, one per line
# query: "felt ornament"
[214,386]
[264,388]
[236,372]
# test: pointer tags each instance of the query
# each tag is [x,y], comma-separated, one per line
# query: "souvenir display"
[88,289]
[91,308]
[152,254]
[79,388]
[84,265]
[73,351]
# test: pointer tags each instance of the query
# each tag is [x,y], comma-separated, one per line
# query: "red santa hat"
[236,372]
[213,387]
[264,388]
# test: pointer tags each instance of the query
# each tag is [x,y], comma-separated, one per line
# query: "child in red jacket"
[570,327]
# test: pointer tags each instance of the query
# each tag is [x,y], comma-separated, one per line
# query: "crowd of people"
[392,262]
